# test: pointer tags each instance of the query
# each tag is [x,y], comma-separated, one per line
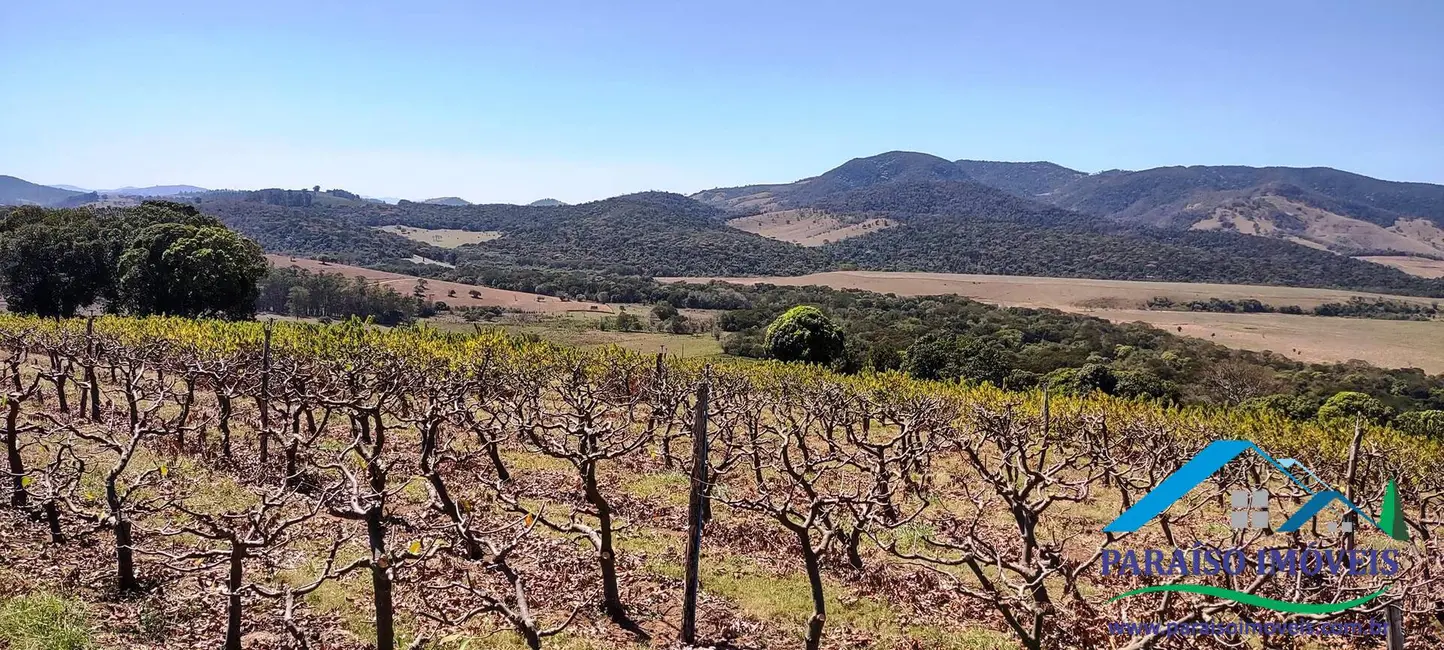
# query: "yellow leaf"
[164,470]
[415,547]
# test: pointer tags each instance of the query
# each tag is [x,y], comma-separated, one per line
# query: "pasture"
[807,227]
[442,237]
[1420,266]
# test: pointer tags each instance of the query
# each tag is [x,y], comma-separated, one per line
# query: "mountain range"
[903,211]
[1320,207]
[150,191]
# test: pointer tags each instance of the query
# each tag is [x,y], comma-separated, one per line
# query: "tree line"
[1355,307]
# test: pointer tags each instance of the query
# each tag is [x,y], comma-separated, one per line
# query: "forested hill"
[315,231]
[1182,195]
[1153,195]
[943,224]
[652,233]
[1344,212]
[855,174]
[947,221]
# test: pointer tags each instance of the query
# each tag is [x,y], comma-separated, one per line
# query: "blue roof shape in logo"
[1205,464]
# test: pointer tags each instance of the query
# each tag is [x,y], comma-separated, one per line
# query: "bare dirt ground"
[1393,344]
[1422,267]
[806,227]
[440,290]
[442,237]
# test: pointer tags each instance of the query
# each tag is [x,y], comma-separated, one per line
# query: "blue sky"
[582,100]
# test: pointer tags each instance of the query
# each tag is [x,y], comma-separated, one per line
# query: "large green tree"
[52,262]
[804,333]
[1347,405]
[184,269]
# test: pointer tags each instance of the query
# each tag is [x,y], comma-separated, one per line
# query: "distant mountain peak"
[154,190]
[448,200]
[548,202]
[894,166]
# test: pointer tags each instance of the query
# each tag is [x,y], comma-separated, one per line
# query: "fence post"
[263,401]
[696,515]
[1352,520]
[92,353]
[1396,627]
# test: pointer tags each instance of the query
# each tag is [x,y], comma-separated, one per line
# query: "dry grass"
[1392,344]
[438,290]
[1068,294]
[1325,229]
[442,237]
[807,227]
[1386,343]
[1422,267]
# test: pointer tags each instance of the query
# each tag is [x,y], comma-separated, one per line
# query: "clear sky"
[579,100]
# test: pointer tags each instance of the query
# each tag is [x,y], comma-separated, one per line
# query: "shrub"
[1291,406]
[1421,423]
[804,334]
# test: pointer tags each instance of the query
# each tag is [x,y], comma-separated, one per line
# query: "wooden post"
[1396,627]
[1350,518]
[696,516]
[263,401]
[92,351]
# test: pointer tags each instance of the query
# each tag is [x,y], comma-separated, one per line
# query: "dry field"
[1393,344]
[806,227]
[1385,343]
[1422,267]
[1069,294]
[442,237]
[439,290]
